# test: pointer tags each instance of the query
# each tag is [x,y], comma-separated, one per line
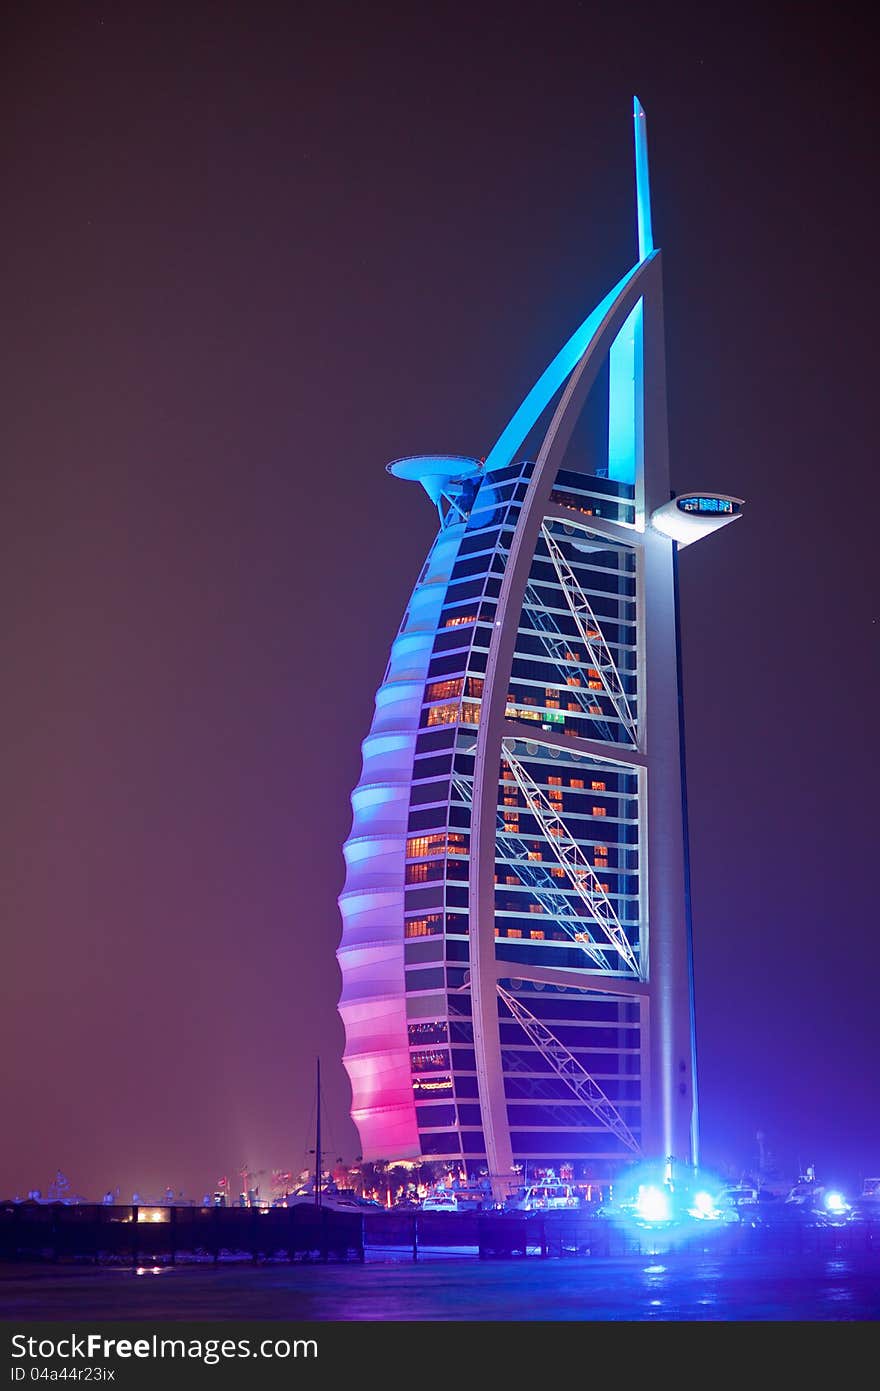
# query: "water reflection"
[774,1286]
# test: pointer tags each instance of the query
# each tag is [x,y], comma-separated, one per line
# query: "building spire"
[643,181]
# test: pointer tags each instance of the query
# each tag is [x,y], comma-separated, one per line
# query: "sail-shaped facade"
[515,953]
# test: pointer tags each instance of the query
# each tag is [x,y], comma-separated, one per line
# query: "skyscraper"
[516,954]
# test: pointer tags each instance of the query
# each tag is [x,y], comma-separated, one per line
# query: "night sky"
[251,253]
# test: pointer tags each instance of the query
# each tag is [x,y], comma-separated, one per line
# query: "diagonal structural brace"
[539,884]
[553,640]
[591,635]
[549,895]
[572,858]
[566,1066]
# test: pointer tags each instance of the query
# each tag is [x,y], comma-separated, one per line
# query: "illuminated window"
[427,1061]
[599,811]
[459,619]
[536,935]
[606,888]
[432,1084]
[573,705]
[470,714]
[419,847]
[558,872]
[595,709]
[597,786]
[600,862]
[505,772]
[554,781]
[517,712]
[535,855]
[601,849]
[431,1031]
[573,681]
[572,656]
[422,927]
[551,703]
[536,907]
[514,932]
[444,690]
[475,686]
[593,633]
[510,815]
[556,831]
[417,874]
[593,685]
[443,714]
[576,782]
[591,671]
[511,801]
[511,879]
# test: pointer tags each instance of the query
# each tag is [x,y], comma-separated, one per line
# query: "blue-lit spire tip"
[643,181]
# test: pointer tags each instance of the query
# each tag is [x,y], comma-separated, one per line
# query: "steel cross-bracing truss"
[537,879]
[540,883]
[566,1066]
[555,644]
[591,634]
[572,859]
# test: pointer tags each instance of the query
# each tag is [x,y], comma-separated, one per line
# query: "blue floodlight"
[652,1204]
[704,1207]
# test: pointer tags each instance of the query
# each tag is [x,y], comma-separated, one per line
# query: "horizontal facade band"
[622,756]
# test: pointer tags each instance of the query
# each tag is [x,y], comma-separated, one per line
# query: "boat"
[440,1202]
[867,1206]
[336,1199]
[546,1197]
[320,1194]
[739,1195]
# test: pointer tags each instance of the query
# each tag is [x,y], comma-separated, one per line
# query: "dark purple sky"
[247,260]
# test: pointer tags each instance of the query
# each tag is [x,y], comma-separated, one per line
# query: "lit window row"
[443,714]
[444,690]
[422,847]
[422,927]
[427,1061]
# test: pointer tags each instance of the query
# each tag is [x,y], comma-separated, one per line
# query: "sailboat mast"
[318,1136]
